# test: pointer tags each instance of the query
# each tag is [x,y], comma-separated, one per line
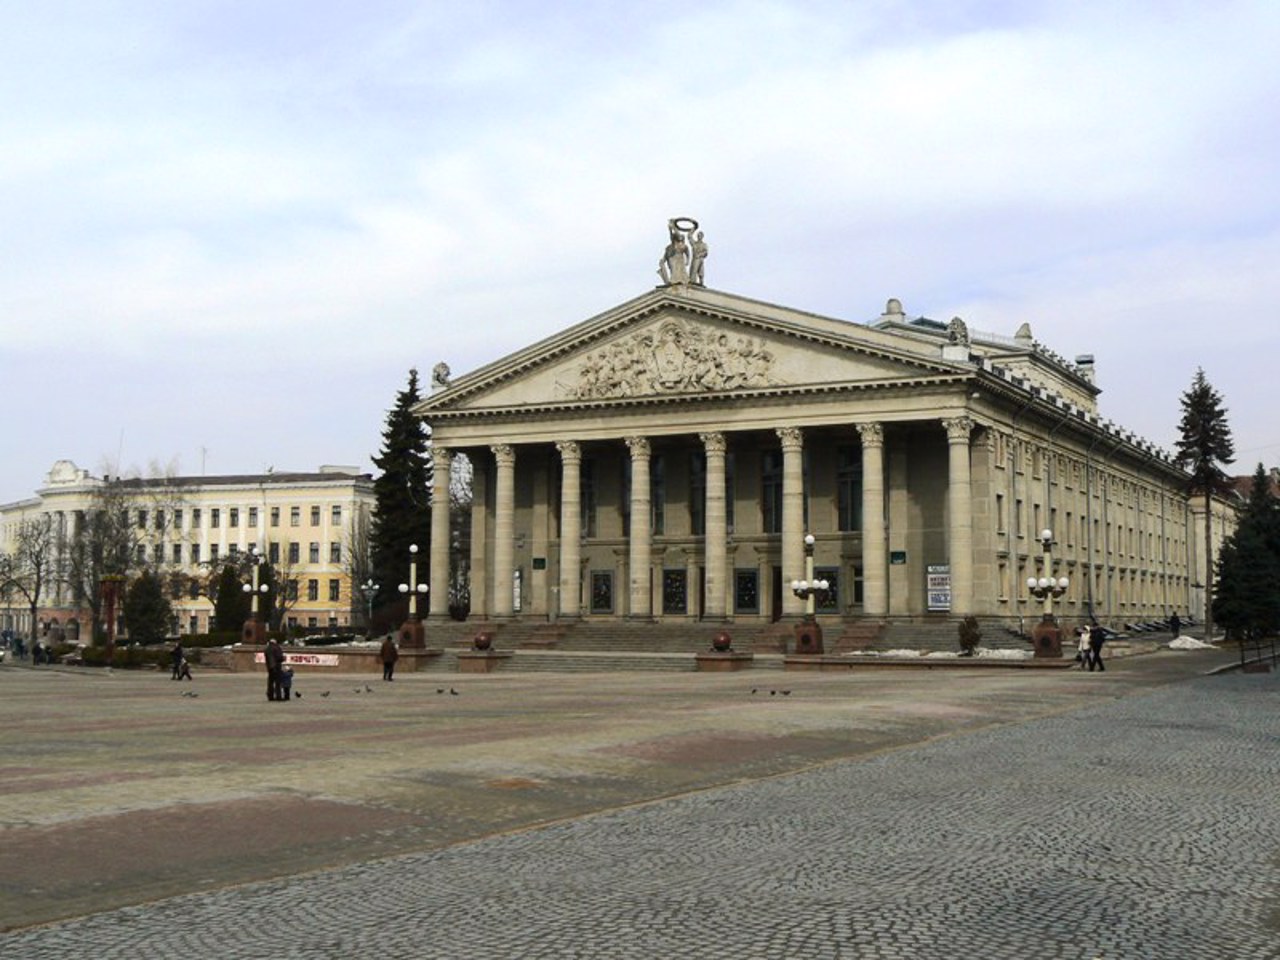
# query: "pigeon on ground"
[368,689]
[773,693]
[325,694]
[786,693]
[453,692]
[753,690]
[439,689]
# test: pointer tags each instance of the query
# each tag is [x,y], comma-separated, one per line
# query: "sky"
[230,229]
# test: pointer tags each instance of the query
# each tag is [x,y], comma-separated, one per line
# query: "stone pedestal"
[808,638]
[720,661]
[254,631]
[1046,637]
[482,661]
[412,635]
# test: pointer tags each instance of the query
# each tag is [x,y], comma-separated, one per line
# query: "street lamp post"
[411,632]
[1047,634]
[370,590]
[255,631]
[810,590]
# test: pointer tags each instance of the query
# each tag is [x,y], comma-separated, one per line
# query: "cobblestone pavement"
[1145,826]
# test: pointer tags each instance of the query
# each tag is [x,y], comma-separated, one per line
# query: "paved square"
[961,813]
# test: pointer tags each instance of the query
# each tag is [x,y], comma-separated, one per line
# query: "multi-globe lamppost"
[255,631]
[411,632]
[370,590]
[1047,634]
[810,589]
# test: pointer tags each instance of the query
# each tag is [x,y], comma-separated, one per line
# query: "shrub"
[970,636]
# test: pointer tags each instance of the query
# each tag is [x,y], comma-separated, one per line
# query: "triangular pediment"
[685,348]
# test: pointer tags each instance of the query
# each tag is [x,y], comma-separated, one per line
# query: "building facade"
[185,529]
[665,460]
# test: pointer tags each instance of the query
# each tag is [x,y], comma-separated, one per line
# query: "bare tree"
[33,565]
[105,546]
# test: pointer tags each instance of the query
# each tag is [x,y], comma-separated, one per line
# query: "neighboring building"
[666,459]
[187,528]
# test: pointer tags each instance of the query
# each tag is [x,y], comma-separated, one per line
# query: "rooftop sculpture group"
[686,253]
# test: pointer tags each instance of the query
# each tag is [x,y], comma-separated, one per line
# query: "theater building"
[666,459]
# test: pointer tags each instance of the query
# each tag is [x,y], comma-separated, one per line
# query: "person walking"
[389,655]
[178,658]
[275,669]
[1096,640]
[1175,625]
[1084,652]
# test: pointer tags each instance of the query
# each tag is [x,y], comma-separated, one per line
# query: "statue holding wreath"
[682,261]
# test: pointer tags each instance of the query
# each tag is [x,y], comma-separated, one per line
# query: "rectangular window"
[313,589]
[335,515]
[215,517]
[746,591]
[1000,513]
[195,553]
[157,554]
[177,519]
[196,519]
[313,553]
[849,488]
[698,493]
[291,593]
[159,519]
[295,516]
[275,516]
[233,517]
[253,516]
[335,590]
[233,551]
[142,519]
[193,589]
[177,553]
[213,553]
[294,551]
[657,494]
[273,552]
[335,552]
[771,491]
[315,516]
[313,622]
[587,492]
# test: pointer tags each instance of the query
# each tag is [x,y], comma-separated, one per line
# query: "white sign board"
[303,659]
[938,586]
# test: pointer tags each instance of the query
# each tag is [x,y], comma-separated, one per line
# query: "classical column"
[641,540]
[504,524]
[875,553]
[960,506]
[438,596]
[717,527]
[570,528]
[792,517]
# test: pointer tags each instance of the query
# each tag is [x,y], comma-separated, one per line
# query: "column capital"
[639,447]
[714,442]
[792,438]
[958,429]
[872,434]
[504,453]
[441,455]
[569,449]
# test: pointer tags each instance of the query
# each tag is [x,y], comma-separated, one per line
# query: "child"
[286,682]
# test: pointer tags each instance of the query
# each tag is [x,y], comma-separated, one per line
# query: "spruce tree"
[402,493]
[1204,447]
[230,603]
[147,612]
[1246,603]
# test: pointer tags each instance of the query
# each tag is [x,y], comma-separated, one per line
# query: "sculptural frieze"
[684,259]
[679,358]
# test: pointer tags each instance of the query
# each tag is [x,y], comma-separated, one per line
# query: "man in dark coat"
[275,670]
[389,656]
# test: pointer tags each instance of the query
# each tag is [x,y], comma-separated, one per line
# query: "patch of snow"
[1190,643]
